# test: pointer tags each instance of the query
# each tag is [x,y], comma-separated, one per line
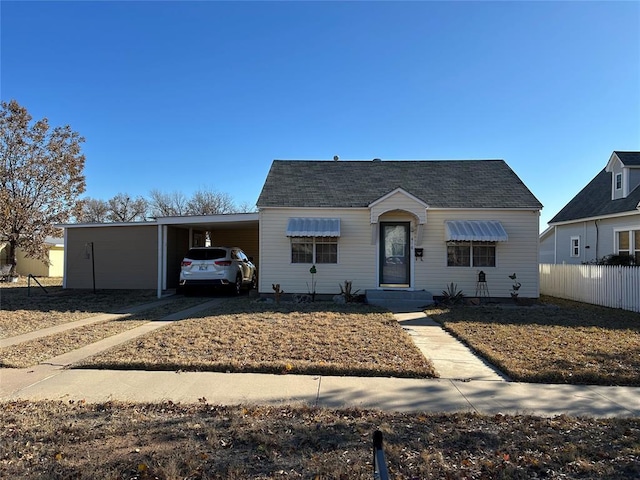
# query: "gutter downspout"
[555,245]
[597,238]
[584,249]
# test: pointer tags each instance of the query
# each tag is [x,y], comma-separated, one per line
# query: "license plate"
[202,267]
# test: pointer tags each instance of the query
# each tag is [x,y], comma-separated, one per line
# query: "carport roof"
[202,222]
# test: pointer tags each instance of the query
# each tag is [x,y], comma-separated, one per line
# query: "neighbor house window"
[618,181]
[471,254]
[314,250]
[575,246]
[628,243]
[623,243]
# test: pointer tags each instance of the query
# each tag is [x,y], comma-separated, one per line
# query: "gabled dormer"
[624,168]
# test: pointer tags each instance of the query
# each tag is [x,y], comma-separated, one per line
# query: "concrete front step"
[399,300]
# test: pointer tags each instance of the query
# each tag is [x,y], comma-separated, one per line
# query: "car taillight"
[223,263]
[185,263]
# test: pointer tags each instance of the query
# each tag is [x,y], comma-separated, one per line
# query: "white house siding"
[547,247]
[356,253]
[600,238]
[399,201]
[518,255]
[617,168]
[125,257]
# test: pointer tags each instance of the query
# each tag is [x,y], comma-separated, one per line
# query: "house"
[408,226]
[397,225]
[26,265]
[602,219]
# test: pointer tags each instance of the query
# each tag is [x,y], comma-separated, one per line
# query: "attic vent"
[336,158]
[377,160]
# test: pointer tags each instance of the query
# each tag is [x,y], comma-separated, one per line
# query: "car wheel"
[254,282]
[237,286]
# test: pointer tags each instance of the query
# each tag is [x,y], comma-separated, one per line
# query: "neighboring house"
[26,265]
[602,219]
[397,225]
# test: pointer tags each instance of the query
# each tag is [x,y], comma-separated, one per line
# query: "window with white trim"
[314,250]
[575,246]
[471,254]
[628,243]
[618,181]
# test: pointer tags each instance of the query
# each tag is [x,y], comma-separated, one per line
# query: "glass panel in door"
[394,254]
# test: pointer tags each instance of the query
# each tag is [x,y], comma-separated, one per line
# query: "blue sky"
[178,96]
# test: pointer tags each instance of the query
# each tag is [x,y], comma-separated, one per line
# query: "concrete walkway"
[63,327]
[467,384]
[451,358]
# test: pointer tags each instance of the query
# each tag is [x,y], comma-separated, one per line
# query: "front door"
[394,254]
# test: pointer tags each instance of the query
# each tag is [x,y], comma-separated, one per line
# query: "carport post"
[160,257]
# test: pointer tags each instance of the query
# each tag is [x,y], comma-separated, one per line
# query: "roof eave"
[600,217]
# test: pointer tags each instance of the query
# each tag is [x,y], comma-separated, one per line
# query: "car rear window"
[206,253]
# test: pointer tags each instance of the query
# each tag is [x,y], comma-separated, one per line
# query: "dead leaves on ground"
[168,440]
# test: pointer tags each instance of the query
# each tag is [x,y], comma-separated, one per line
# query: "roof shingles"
[594,201]
[629,159]
[440,184]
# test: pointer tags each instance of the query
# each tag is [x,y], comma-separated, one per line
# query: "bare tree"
[163,204]
[245,207]
[41,177]
[210,202]
[124,209]
[94,211]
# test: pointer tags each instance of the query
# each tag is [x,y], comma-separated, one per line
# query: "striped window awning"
[475,231]
[313,227]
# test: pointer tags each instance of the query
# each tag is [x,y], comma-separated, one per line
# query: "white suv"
[219,267]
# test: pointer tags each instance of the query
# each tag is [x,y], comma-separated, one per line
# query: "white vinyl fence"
[609,286]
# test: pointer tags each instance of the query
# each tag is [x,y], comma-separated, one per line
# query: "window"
[484,256]
[628,243]
[471,254]
[326,250]
[618,181]
[575,246]
[302,250]
[314,250]
[623,243]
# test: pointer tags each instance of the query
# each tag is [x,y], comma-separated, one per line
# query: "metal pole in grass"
[29,285]
[379,463]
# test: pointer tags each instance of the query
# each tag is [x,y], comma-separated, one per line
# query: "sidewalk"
[467,384]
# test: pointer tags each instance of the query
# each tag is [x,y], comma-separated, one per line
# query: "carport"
[177,234]
[147,255]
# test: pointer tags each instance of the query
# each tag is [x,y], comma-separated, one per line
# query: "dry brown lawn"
[62,440]
[559,341]
[54,440]
[23,310]
[58,307]
[241,335]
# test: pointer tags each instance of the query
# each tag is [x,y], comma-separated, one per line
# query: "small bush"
[452,296]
